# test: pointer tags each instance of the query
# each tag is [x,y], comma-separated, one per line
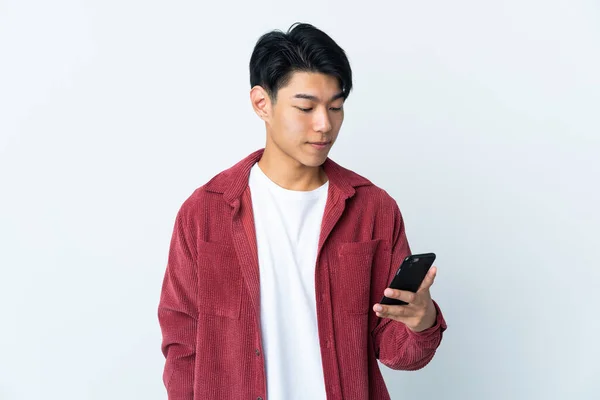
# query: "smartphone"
[410,275]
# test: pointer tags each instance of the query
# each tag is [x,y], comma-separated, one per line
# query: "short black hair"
[303,48]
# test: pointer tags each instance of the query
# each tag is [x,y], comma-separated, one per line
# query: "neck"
[289,173]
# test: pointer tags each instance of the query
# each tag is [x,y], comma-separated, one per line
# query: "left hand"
[419,314]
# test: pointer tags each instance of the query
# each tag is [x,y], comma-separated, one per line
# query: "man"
[276,265]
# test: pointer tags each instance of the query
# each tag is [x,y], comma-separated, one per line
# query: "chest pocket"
[219,280]
[351,275]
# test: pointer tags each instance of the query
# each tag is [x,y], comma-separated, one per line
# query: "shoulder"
[376,194]
[367,191]
[205,198]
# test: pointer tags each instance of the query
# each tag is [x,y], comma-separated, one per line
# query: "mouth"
[319,145]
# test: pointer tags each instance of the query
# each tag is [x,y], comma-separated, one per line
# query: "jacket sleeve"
[397,346]
[177,312]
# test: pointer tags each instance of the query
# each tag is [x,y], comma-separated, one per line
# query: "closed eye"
[306,110]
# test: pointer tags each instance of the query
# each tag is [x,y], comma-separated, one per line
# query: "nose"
[322,122]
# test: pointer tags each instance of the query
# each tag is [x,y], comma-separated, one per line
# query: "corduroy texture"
[210,299]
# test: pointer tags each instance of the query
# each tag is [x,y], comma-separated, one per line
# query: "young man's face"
[306,117]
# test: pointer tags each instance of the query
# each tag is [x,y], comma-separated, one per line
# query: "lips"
[320,146]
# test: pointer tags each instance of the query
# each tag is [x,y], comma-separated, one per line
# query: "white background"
[480,118]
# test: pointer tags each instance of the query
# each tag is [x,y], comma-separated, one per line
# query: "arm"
[177,313]
[396,345]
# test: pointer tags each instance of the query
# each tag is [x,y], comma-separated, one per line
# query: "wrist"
[429,319]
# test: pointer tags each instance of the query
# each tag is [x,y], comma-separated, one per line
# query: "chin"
[313,161]
[313,164]
[309,158]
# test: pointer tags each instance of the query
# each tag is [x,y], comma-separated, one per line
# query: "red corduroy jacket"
[209,305]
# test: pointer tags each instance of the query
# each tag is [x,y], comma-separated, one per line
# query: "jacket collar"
[234,181]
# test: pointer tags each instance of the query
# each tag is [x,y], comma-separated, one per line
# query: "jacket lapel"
[244,240]
[340,189]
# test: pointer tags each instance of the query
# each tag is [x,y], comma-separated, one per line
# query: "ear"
[261,102]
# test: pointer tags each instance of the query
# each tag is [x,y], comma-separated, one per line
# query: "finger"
[403,295]
[429,279]
[394,312]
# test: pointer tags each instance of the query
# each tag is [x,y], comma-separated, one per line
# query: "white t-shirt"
[288,225]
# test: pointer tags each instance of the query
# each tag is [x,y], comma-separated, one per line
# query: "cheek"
[295,125]
[339,120]
[336,124]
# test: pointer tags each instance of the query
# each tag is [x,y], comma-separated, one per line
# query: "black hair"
[303,48]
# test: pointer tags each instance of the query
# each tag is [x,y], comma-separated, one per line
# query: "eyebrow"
[315,98]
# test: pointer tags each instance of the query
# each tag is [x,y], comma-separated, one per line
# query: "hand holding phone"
[410,275]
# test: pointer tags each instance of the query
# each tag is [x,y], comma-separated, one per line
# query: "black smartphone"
[410,275]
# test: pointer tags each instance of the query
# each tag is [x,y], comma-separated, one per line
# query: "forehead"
[312,83]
